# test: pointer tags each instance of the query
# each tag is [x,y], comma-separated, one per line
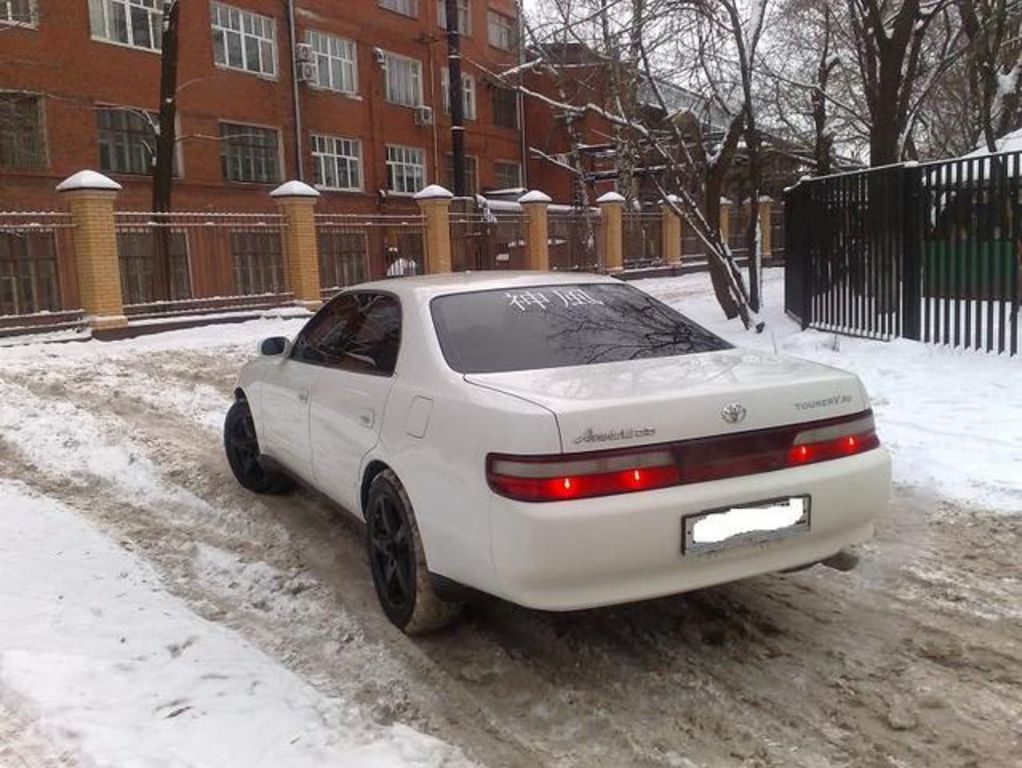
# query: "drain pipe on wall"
[296,103]
[524,180]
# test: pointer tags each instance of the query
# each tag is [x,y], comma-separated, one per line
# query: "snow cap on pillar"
[534,196]
[433,192]
[88,180]
[610,197]
[294,189]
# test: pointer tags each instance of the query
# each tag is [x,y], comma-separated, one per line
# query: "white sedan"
[560,441]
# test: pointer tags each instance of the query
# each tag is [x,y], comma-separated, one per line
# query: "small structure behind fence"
[930,252]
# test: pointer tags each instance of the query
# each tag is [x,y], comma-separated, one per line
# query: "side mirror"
[273,346]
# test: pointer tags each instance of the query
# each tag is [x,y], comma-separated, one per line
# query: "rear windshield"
[551,326]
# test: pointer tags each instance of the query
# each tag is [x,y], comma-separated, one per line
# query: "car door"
[348,397]
[287,386]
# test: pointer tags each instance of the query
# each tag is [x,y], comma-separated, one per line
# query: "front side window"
[402,80]
[249,153]
[552,326]
[358,332]
[17,12]
[336,62]
[243,40]
[22,142]
[404,7]
[127,140]
[138,23]
[504,103]
[464,16]
[406,169]
[338,162]
[468,93]
[500,30]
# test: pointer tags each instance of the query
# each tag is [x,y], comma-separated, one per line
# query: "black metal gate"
[928,252]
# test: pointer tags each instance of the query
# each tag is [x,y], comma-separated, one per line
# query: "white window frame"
[408,8]
[250,28]
[395,65]
[464,16]
[500,30]
[101,22]
[336,60]
[7,14]
[404,157]
[327,149]
[468,93]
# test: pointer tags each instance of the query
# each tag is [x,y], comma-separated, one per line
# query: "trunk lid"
[657,400]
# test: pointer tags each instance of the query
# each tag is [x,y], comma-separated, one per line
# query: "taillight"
[560,478]
[602,473]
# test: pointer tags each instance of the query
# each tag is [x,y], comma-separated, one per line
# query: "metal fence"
[642,240]
[354,248]
[574,237]
[173,258]
[37,271]
[483,239]
[929,252]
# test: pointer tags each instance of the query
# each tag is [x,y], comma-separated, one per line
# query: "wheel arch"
[373,468]
[239,395]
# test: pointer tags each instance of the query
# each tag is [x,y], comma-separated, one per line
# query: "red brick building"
[356,107]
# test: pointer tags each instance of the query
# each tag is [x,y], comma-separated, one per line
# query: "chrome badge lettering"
[592,436]
[825,402]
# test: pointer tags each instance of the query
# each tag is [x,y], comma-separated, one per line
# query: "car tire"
[398,562]
[242,448]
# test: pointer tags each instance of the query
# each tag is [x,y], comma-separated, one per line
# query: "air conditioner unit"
[424,115]
[307,71]
[303,52]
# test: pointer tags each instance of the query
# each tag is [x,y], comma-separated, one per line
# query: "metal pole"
[455,95]
[296,102]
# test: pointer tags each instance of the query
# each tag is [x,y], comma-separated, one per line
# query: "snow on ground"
[952,419]
[99,656]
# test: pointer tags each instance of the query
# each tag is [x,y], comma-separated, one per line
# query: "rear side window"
[552,326]
[356,331]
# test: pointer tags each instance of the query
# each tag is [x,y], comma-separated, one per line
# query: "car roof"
[426,287]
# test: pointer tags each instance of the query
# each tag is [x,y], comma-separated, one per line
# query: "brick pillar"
[725,220]
[90,196]
[766,205]
[537,235]
[297,203]
[670,231]
[612,207]
[435,203]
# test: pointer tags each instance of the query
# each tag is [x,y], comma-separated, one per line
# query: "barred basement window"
[248,153]
[504,103]
[28,273]
[406,169]
[464,16]
[471,174]
[404,7]
[22,143]
[138,23]
[508,175]
[244,40]
[17,12]
[468,93]
[336,62]
[137,252]
[402,80]
[338,162]
[343,258]
[257,263]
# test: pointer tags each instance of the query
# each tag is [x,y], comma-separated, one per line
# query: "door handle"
[367,417]
[303,397]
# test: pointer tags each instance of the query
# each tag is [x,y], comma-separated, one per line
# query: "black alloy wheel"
[242,448]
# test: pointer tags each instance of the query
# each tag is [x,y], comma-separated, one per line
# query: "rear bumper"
[615,549]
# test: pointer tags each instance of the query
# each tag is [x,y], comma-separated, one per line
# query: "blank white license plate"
[719,529]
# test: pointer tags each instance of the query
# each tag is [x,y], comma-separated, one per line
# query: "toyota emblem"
[733,413]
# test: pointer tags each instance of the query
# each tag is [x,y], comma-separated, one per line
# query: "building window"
[406,169]
[464,16]
[22,143]
[17,12]
[500,30]
[336,62]
[402,80]
[343,258]
[338,162]
[137,23]
[508,175]
[404,7]
[468,93]
[471,174]
[244,40]
[257,262]
[127,140]
[248,153]
[505,107]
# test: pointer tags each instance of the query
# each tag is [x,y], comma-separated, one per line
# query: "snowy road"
[913,659]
